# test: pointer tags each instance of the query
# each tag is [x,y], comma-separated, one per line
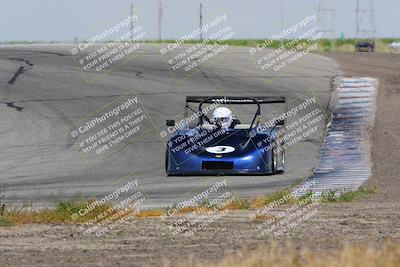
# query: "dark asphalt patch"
[27,62]
[11,105]
[16,74]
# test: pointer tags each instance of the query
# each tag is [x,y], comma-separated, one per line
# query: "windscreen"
[243,114]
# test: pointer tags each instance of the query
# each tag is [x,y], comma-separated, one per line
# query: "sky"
[57,20]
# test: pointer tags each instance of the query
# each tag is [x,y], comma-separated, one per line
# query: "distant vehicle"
[365,46]
[395,46]
[230,147]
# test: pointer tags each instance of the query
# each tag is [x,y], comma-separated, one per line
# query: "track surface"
[39,164]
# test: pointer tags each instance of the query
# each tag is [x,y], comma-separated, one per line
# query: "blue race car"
[223,144]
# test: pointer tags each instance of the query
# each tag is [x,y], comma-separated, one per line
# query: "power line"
[201,22]
[131,23]
[160,13]
[282,15]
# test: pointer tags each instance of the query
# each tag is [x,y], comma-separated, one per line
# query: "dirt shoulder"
[147,241]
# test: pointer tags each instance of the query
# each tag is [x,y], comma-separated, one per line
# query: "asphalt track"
[43,92]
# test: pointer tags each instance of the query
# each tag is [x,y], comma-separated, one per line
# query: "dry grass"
[263,218]
[62,213]
[257,202]
[150,213]
[349,255]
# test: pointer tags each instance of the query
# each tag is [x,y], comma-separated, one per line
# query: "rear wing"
[236,99]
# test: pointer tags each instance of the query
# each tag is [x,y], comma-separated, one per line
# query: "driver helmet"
[223,117]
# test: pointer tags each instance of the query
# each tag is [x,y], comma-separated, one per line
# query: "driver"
[223,117]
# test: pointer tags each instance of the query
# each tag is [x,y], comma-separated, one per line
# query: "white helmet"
[223,116]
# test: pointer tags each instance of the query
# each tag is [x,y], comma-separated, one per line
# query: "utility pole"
[131,23]
[201,22]
[327,19]
[365,19]
[160,13]
[282,18]
[282,15]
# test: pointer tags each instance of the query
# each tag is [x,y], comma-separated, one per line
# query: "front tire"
[273,161]
[278,158]
[281,166]
[166,161]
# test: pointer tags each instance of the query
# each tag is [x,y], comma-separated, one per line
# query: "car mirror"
[170,123]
